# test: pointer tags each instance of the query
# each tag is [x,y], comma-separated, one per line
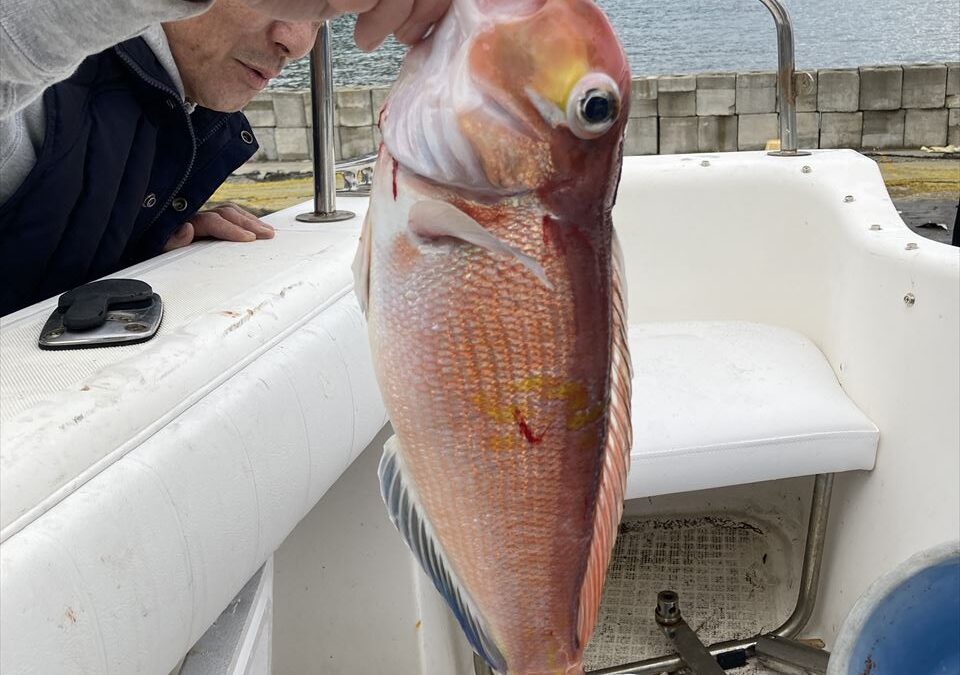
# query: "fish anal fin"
[406,513]
[616,461]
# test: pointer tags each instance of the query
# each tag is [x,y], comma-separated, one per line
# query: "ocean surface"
[692,36]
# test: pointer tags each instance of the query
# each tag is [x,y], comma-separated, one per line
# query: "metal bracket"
[693,652]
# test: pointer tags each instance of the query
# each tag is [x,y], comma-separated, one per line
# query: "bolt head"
[910,299]
[807,169]
[849,199]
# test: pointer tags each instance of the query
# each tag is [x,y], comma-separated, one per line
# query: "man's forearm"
[43,41]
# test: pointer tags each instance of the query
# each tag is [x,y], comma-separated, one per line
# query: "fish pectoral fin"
[361,264]
[406,513]
[432,219]
[616,460]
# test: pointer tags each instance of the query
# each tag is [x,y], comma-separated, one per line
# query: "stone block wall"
[867,108]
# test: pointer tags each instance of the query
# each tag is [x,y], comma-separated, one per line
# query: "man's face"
[229,53]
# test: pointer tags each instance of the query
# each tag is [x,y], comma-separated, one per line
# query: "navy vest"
[122,166]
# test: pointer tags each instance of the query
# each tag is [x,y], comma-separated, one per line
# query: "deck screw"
[912,246]
[849,199]
[807,169]
[875,228]
[910,299]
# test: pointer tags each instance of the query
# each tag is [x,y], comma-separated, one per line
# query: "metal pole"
[324,173]
[786,84]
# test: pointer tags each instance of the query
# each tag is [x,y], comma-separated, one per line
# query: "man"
[109,144]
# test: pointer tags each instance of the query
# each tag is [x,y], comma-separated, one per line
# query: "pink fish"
[490,274]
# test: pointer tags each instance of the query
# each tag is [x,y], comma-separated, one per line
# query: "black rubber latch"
[86,307]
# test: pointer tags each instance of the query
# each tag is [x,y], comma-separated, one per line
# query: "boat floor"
[735,575]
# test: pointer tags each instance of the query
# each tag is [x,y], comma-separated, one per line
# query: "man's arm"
[43,41]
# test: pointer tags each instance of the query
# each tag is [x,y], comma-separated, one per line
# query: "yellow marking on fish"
[579,411]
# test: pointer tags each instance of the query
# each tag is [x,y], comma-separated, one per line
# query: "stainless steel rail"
[321,94]
[786,80]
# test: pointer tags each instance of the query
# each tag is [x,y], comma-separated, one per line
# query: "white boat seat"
[728,403]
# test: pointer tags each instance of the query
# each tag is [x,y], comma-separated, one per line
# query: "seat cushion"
[728,403]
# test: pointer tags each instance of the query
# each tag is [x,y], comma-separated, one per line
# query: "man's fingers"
[374,26]
[182,237]
[425,13]
[212,224]
[246,220]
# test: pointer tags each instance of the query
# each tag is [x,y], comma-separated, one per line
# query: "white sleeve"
[43,41]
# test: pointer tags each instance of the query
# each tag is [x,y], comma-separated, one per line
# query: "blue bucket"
[907,622]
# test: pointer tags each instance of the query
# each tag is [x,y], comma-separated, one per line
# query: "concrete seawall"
[868,108]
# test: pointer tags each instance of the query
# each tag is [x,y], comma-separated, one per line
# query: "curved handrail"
[786,83]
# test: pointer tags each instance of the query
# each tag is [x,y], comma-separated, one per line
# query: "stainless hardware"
[786,80]
[688,645]
[321,93]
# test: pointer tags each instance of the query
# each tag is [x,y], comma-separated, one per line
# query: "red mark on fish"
[396,168]
[525,430]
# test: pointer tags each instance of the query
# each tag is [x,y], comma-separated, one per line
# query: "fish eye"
[593,106]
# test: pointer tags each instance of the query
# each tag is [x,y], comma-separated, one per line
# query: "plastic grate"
[733,574]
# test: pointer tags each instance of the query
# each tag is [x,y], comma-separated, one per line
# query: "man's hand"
[409,20]
[227,223]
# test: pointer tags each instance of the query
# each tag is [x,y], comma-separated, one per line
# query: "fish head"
[513,96]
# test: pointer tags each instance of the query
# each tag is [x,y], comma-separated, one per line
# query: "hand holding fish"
[409,20]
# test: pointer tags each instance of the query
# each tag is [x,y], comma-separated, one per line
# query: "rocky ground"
[925,188]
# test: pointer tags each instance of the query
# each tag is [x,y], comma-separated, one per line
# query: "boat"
[206,501]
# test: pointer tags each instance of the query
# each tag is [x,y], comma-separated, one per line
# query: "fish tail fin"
[406,513]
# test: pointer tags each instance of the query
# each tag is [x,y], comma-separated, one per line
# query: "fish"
[494,291]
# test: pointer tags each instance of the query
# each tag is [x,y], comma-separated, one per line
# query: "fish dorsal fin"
[616,461]
[432,219]
[405,511]
[361,264]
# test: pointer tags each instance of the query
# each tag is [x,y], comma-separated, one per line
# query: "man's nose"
[293,38]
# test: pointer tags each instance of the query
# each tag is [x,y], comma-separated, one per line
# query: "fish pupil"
[596,107]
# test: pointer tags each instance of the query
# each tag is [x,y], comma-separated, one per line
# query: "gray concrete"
[678,134]
[717,94]
[756,130]
[379,97]
[756,93]
[718,134]
[807,101]
[841,130]
[643,97]
[953,85]
[838,90]
[289,108]
[828,115]
[881,87]
[808,130]
[677,103]
[924,86]
[676,83]
[925,128]
[883,129]
[641,136]
[268,145]
[356,141]
[354,107]
[292,143]
[953,127]
[260,113]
